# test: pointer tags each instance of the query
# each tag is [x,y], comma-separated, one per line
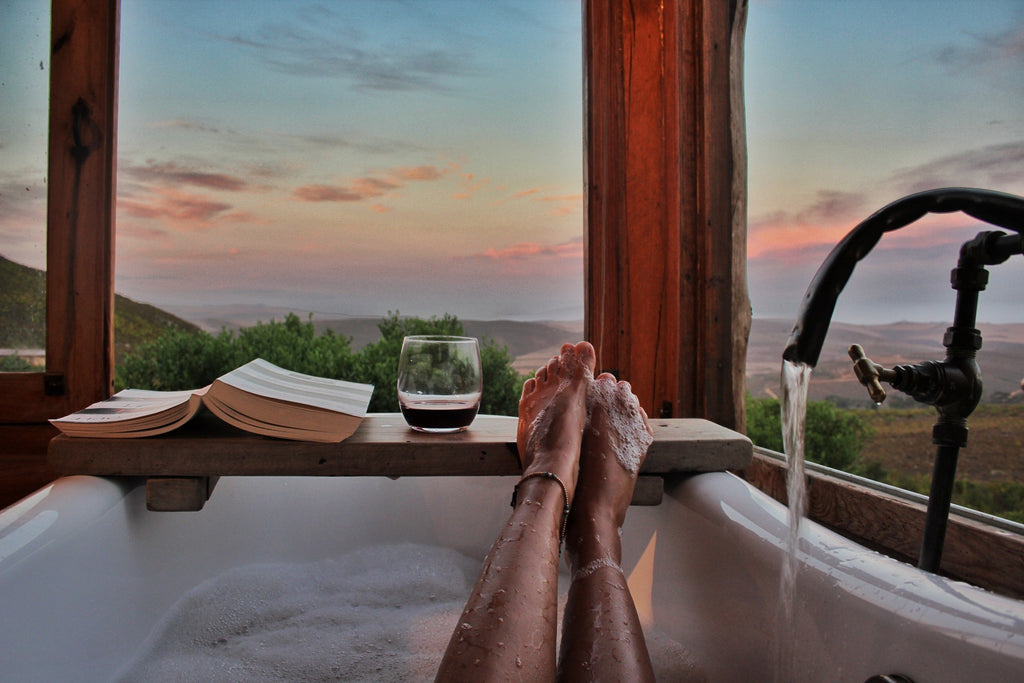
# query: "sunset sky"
[359,157]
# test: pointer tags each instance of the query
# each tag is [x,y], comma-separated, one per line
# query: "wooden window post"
[666,295]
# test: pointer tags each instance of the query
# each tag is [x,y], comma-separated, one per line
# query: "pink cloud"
[425,172]
[470,185]
[325,193]
[368,187]
[573,249]
[170,173]
[578,197]
[373,187]
[568,203]
[822,225]
[186,211]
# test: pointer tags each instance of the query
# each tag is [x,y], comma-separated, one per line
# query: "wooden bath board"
[182,467]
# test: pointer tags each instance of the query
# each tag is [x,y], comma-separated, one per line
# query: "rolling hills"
[23,313]
[531,343]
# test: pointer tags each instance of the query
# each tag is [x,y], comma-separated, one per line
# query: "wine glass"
[439,382]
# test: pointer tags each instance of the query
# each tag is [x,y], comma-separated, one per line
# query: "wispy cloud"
[321,42]
[994,167]
[186,212]
[326,193]
[825,220]
[1003,49]
[833,213]
[426,172]
[368,187]
[188,125]
[370,144]
[562,204]
[170,173]
[470,185]
[530,251]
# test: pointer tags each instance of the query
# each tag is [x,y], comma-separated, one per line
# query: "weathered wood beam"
[666,298]
[80,198]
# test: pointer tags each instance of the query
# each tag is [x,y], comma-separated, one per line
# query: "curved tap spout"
[808,335]
[953,385]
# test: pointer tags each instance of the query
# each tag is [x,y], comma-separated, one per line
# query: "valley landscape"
[901,442]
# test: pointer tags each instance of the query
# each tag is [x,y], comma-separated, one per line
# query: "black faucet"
[952,385]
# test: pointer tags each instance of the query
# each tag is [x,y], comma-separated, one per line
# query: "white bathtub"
[87,573]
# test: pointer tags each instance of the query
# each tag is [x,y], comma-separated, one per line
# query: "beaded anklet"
[591,567]
[565,498]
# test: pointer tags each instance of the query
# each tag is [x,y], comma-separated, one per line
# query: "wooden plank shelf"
[182,466]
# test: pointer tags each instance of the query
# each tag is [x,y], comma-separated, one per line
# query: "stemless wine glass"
[439,382]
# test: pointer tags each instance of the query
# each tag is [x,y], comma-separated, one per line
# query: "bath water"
[376,614]
[795,380]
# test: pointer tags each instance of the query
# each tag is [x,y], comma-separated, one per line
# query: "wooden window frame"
[666,294]
[666,300]
[665,291]
[82,153]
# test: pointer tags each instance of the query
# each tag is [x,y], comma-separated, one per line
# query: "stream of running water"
[795,379]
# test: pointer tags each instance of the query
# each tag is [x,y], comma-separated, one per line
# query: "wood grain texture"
[382,446]
[180,466]
[178,494]
[666,299]
[80,216]
[80,200]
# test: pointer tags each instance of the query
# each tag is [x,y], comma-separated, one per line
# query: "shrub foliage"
[189,360]
[833,437]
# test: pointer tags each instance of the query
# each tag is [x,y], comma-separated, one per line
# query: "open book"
[258,397]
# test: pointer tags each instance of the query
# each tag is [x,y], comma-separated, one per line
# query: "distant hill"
[1001,357]
[23,313]
[530,344]
[22,306]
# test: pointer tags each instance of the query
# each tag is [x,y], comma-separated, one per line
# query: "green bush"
[185,360]
[832,437]
[1000,498]
[16,363]
[177,360]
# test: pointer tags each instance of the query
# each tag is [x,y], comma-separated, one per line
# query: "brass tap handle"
[869,373]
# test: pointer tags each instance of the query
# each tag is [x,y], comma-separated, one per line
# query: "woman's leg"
[508,627]
[601,636]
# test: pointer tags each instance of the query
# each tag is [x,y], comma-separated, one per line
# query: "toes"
[541,376]
[529,386]
[586,355]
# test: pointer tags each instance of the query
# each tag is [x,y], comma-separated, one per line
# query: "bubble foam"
[628,427]
[376,614]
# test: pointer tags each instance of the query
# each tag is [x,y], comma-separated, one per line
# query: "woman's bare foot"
[553,413]
[507,630]
[602,638]
[614,447]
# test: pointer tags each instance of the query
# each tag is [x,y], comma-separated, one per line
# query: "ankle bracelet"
[591,567]
[565,499]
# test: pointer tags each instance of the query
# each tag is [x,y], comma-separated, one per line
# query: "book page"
[128,404]
[266,379]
